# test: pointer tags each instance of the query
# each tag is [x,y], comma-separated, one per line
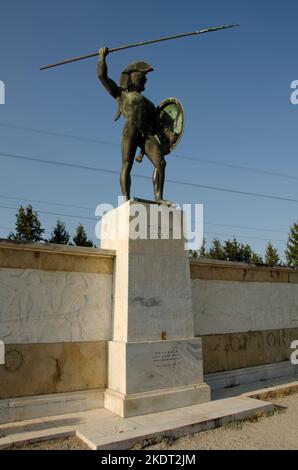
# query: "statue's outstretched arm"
[102,73]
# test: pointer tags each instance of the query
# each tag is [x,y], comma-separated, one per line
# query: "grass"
[275,394]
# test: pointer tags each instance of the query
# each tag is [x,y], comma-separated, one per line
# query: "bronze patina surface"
[146,127]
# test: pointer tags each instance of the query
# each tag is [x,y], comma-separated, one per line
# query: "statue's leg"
[153,152]
[130,137]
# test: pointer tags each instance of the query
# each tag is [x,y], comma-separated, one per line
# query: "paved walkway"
[277,432]
[101,429]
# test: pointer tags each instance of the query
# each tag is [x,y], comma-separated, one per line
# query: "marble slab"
[154,365]
[50,306]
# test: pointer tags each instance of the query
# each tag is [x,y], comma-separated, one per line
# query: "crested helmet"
[140,66]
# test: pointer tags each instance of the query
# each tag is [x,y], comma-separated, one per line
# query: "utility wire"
[171,181]
[6,228]
[176,155]
[54,213]
[59,134]
[238,167]
[94,219]
[259,229]
[246,227]
[244,236]
[39,201]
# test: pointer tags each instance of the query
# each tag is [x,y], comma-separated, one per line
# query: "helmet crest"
[125,78]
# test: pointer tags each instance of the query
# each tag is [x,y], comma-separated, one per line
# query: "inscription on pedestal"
[168,358]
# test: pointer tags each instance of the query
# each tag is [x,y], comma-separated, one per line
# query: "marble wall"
[55,318]
[49,307]
[226,352]
[230,307]
[37,369]
[56,315]
[246,315]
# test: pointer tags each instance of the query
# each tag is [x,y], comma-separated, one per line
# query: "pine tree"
[245,253]
[202,250]
[60,236]
[292,246]
[200,253]
[235,251]
[231,249]
[256,259]
[216,251]
[271,255]
[80,238]
[28,226]
[192,253]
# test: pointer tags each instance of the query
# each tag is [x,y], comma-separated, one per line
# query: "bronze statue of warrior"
[142,125]
[156,131]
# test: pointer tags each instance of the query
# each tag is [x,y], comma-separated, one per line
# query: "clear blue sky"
[234,85]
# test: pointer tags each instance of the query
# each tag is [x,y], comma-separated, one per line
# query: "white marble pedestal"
[154,361]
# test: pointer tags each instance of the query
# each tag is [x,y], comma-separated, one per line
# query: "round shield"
[171,117]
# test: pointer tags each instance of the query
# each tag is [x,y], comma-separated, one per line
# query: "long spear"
[168,38]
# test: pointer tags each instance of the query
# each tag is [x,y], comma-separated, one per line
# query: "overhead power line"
[39,201]
[59,134]
[246,227]
[58,214]
[19,198]
[234,235]
[171,181]
[238,167]
[93,219]
[176,155]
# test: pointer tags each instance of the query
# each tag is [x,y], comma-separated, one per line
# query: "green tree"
[202,251]
[80,238]
[256,259]
[60,236]
[28,226]
[192,253]
[271,255]
[292,246]
[235,251]
[216,251]
[231,250]
[245,253]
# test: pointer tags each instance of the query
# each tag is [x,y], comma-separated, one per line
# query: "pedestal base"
[136,404]
[153,376]
[154,361]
